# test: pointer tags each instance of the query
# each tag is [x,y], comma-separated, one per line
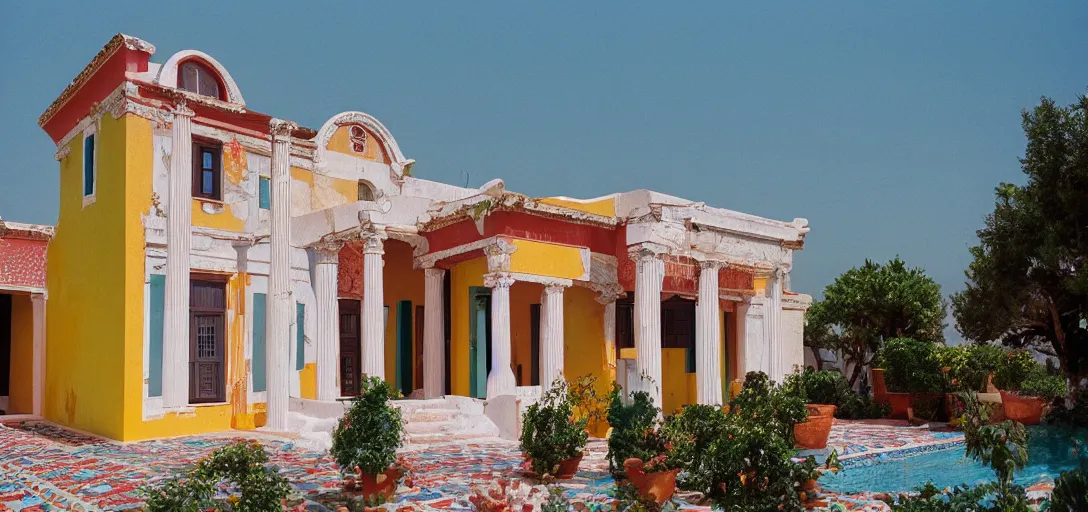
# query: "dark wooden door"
[350,356]
[534,346]
[207,340]
[418,384]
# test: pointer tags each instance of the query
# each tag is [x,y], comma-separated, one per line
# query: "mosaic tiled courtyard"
[47,468]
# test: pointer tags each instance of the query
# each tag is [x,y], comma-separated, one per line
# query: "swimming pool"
[1050,451]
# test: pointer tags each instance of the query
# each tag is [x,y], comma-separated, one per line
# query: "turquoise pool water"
[1050,451]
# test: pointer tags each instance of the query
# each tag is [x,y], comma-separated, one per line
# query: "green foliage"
[1043,385]
[369,433]
[1003,447]
[242,465]
[550,434]
[557,500]
[1027,284]
[910,366]
[969,364]
[930,499]
[1016,367]
[872,303]
[690,434]
[631,428]
[830,387]
[1070,491]
[748,465]
[1075,414]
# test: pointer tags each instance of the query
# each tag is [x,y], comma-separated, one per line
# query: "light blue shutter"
[258,342]
[264,196]
[156,305]
[88,165]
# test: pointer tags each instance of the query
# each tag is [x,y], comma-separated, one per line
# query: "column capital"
[374,242]
[712,265]
[498,280]
[608,293]
[280,128]
[646,252]
[38,297]
[553,289]
[498,255]
[181,108]
[327,252]
[435,272]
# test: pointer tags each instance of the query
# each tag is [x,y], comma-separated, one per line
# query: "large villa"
[214,268]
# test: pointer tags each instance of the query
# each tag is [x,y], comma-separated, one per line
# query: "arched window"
[366,191]
[200,79]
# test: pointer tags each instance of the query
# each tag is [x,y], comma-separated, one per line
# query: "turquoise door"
[479,340]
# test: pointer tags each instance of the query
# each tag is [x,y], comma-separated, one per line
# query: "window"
[265,193]
[198,78]
[207,337]
[366,191]
[90,165]
[206,171]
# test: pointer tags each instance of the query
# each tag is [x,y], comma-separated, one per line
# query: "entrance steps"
[450,419]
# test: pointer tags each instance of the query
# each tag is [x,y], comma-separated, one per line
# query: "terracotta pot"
[821,410]
[899,403]
[658,486]
[568,468]
[371,486]
[1023,409]
[812,434]
[880,390]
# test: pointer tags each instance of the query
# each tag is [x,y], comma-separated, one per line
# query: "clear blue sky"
[886,126]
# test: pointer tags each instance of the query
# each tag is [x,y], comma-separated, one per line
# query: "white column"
[326,270]
[708,351]
[755,345]
[501,379]
[610,349]
[37,301]
[434,347]
[280,310]
[373,305]
[551,335]
[649,278]
[179,216]
[772,319]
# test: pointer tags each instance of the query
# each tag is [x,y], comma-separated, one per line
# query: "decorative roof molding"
[168,73]
[116,43]
[26,231]
[498,199]
[399,164]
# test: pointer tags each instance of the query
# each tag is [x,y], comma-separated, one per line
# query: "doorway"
[479,340]
[405,362]
[350,356]
[207,336]
[5,351]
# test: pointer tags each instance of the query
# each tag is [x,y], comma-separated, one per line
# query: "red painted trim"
[22,262]
[525,226]
[103,82]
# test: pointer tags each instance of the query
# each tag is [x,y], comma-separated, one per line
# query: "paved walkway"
[43,467]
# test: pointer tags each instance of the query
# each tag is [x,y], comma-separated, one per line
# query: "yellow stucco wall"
[605,206]
[545,259]
[324,191]
[340,143]
[86,358]
[676,389]
[224,217]
[462,276]
[21,378]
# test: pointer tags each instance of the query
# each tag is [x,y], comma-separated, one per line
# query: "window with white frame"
[90,164]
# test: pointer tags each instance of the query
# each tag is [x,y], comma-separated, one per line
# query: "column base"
[500,382]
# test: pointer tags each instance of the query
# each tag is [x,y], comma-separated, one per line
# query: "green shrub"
[831,387]
[970,365]
[241,466]
[550,434]
[1043,385]
[1071,491]
[910,366]
[631,425]
[1014,369]
[777,408]
[690,434]
[930,499]
[369,433]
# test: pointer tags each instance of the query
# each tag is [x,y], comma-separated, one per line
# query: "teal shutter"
[258,342]
[300,336]
[156,306]
[264,195]
[88,165]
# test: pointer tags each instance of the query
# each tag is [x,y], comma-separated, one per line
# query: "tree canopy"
[1027,284]
[869,304]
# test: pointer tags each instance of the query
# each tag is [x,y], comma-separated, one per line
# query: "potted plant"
[820,390]
[912,374]
[365,442]
[1036,391]
[551,438]
[638,448]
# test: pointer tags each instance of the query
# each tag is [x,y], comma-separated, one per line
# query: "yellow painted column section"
[545,259]
[237,364]
[583,343]
[676,389]
[307,381]
[462,276]
[21,380]
[87,324]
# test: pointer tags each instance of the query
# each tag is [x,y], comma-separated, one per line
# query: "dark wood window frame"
[200,148]
[217,313]
[205,76]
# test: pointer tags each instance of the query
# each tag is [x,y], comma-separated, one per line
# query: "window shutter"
[156,306]
[265,193]
[258,356]
[300,336]
[88,165]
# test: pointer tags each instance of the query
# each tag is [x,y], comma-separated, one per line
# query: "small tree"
[369,433]
[872,303]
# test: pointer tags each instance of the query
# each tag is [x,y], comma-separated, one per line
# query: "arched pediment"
[397,162]
[168,73]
